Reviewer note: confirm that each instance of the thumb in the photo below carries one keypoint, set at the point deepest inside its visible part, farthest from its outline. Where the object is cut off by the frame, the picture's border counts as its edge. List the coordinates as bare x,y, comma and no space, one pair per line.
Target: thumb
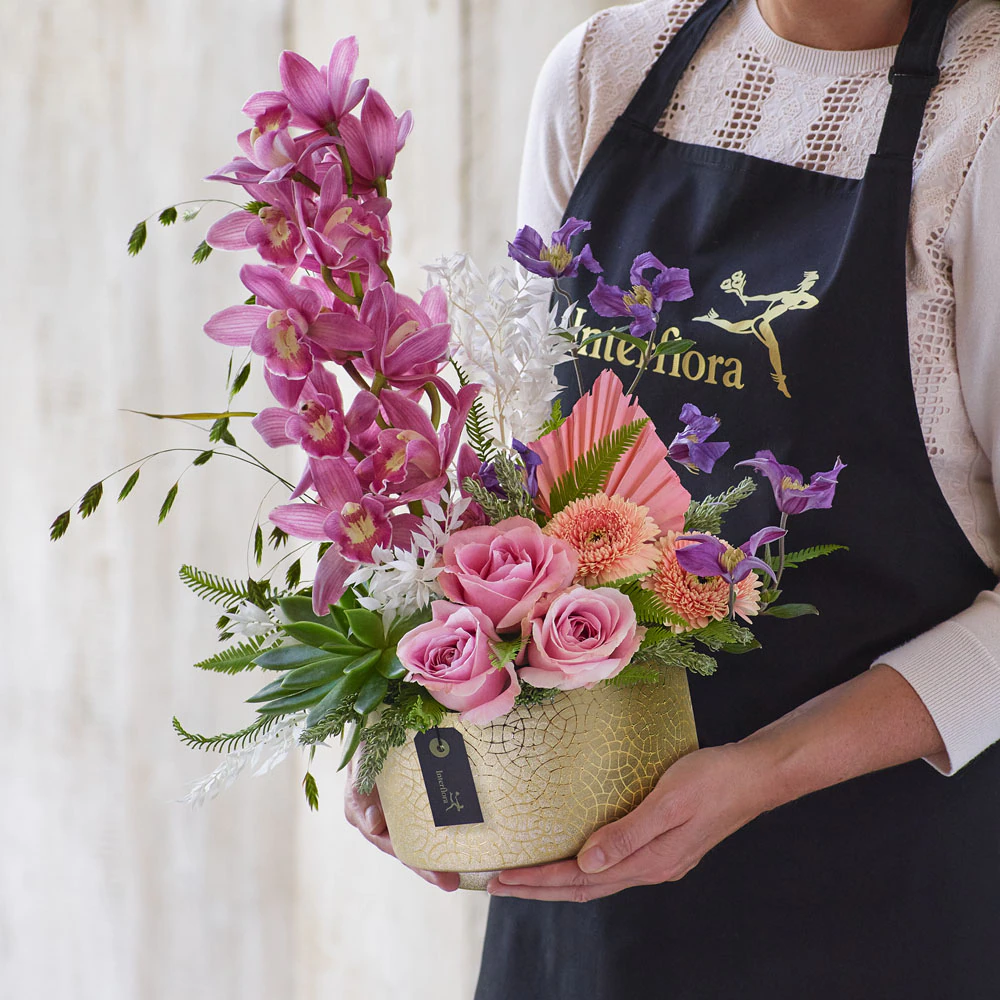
617,841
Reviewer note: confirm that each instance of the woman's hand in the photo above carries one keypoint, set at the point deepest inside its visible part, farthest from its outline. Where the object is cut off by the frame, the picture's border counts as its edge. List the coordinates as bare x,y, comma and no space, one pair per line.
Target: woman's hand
698,802
365,813
873,721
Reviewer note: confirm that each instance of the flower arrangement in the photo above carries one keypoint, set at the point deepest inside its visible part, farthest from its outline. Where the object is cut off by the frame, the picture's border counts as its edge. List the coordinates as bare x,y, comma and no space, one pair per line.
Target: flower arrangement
475,548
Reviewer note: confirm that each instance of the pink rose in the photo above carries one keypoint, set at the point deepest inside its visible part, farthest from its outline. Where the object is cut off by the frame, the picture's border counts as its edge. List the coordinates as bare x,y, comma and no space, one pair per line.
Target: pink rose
506,569
586,636
450,656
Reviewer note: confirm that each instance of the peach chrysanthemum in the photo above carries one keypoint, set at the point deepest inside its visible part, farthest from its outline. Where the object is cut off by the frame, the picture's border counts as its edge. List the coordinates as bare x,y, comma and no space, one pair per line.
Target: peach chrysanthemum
612,537
697,601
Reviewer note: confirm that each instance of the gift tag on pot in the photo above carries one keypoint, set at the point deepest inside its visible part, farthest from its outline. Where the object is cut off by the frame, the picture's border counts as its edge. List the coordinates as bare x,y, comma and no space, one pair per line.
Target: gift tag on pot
448,778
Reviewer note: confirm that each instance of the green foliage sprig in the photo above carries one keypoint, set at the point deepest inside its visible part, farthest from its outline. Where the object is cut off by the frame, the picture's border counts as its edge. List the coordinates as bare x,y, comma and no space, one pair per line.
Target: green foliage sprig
706,515
224,742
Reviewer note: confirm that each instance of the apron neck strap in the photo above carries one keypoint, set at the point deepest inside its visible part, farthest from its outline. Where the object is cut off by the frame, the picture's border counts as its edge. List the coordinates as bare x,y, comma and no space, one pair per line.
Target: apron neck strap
657,90
913,76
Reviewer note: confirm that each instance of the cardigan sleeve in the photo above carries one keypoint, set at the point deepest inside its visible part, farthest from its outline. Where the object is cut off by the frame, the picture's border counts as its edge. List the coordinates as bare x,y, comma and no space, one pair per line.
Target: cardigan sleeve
955,667
554,138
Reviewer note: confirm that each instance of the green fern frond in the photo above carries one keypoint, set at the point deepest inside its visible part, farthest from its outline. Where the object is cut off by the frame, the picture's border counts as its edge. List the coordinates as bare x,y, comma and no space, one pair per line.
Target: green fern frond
234,660
224,742
635,674
216,589
649,609
555,421
814,552
590,472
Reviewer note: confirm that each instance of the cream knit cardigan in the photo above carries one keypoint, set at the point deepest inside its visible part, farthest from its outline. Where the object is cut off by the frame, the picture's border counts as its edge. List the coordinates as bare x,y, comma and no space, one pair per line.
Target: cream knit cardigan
752,91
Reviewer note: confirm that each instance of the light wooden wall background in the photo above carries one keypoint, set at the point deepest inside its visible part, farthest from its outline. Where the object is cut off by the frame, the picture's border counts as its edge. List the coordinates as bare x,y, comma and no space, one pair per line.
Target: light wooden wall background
110,890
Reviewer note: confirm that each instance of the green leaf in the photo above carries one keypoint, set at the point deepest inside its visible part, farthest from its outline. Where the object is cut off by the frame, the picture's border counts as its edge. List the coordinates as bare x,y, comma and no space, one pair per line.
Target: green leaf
58,527
129,485
203,459
366,627
314,634
277,538
168,502
192,213
293,575
201,253
234,660
792,559
168,216
390,666
258,545
240,380
219,430
91,500
401,626
296,702
286,657
138,238
725,634
311,790
342,689
790,610
371,694
315,674
555,421
649,609
351,744
617,335
635,674
300,609
672,347
502,653
224,742
590,472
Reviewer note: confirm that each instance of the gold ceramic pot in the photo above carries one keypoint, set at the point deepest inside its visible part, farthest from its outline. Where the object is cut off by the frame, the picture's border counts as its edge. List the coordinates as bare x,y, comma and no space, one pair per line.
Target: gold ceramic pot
547,776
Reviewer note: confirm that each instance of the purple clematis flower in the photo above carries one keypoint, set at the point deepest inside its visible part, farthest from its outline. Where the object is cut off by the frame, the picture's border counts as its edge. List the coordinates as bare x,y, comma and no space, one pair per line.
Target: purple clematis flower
691,448
791,493
555,260
532,460
489,480
711,556
320,97
645,299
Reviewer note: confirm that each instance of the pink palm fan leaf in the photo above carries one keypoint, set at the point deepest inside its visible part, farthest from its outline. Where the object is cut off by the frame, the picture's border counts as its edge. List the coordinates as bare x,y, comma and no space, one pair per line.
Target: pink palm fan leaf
642,475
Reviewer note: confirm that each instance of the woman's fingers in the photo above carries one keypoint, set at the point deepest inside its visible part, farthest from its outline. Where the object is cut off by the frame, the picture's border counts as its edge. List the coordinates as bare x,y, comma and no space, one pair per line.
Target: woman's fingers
364,812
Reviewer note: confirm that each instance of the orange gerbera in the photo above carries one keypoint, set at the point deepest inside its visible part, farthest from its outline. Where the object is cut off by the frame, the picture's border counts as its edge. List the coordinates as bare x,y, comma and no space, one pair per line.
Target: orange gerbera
612,537
698,601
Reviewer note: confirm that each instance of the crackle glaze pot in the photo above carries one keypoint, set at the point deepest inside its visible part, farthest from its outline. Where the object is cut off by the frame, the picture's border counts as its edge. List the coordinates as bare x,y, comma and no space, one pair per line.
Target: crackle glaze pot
547,776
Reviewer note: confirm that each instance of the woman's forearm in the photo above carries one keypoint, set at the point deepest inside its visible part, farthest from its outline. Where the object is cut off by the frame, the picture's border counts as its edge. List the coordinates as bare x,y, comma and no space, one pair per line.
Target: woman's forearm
873,721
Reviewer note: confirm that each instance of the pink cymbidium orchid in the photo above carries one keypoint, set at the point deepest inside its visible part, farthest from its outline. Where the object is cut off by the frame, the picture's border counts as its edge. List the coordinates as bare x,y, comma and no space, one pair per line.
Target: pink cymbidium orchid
320,97
273,231
411,341
355,524
412,459
374,141
286,327
345,235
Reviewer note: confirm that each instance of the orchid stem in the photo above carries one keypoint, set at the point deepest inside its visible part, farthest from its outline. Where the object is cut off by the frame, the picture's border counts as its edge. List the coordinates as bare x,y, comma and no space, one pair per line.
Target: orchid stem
435,397
307,181
359,289
351,300
356,376
388,273
345,160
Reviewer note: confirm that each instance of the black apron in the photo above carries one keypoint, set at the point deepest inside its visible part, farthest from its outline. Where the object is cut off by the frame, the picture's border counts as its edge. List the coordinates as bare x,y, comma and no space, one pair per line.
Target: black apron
887,886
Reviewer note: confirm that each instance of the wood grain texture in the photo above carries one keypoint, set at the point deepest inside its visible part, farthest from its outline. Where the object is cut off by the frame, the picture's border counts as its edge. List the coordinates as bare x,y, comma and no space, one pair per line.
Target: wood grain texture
111,890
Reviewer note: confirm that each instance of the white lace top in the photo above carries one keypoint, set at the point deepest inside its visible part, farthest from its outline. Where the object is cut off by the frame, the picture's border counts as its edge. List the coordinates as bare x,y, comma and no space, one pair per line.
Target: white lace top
752,91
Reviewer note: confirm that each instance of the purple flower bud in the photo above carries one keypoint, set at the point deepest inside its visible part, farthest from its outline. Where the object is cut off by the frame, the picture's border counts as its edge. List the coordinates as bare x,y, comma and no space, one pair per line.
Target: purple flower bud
689,448
532,460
